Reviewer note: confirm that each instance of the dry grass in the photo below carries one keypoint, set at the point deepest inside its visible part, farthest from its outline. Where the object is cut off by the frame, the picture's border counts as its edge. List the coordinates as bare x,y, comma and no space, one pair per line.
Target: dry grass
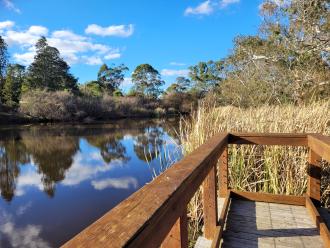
280,170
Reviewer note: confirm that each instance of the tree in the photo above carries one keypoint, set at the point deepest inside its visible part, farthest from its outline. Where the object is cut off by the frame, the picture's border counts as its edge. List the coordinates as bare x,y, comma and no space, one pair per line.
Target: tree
288,61
92,88
3,64
147,81
13,85
301,30
49,71
111,77
181,85
205,76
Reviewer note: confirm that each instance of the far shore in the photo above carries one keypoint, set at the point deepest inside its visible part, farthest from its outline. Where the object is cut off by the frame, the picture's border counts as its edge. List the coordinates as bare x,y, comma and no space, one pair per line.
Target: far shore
20,119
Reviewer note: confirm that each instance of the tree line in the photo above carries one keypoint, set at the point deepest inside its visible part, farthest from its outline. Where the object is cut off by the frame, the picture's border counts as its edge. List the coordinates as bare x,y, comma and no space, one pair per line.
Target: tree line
286,62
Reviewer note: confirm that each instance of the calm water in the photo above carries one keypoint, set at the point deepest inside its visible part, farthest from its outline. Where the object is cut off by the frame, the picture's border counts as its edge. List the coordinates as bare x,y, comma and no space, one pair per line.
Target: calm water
56,180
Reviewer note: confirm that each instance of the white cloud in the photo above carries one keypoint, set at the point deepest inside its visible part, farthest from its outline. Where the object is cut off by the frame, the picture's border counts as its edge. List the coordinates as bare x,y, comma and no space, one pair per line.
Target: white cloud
225,3
68,35
87,166
119,31
177,64
24,38
28,236
11,6
6,25
112,56
93,60
24,58
28,178
205,8
170,72
117,183
210,6
74,48
38,30
127,82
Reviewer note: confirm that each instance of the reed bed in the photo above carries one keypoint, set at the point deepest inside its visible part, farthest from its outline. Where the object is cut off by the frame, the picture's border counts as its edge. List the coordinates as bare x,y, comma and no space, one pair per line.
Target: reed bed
272,169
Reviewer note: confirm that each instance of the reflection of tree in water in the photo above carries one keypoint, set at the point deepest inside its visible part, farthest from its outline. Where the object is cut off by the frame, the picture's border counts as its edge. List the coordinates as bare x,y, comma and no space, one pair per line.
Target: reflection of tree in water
148,143
12,154
110,147
54,156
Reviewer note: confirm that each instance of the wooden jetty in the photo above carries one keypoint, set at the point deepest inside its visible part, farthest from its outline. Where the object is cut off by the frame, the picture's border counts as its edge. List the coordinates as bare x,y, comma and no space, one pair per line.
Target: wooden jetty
156,215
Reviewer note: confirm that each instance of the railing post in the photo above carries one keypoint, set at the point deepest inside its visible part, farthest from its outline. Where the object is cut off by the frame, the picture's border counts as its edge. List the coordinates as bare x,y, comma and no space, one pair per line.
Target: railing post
178,236
314,176
223,173
210,206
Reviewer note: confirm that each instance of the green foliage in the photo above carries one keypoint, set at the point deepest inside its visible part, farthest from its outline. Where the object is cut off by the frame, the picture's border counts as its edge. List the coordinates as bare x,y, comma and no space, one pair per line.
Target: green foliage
181,85
206,75
3,64
147,81
92,88
13,85
111,77
49,71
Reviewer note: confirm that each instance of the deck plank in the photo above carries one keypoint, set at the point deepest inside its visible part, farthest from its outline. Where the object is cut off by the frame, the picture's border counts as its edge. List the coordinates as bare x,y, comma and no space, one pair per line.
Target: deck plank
262,224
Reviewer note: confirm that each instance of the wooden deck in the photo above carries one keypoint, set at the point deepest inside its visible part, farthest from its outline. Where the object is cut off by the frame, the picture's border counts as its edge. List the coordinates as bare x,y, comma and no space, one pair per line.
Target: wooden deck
263,224
156,215
253,224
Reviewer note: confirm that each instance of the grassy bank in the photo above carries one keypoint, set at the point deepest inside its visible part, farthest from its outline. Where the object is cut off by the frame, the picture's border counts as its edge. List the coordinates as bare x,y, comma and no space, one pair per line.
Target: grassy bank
62,106
272,169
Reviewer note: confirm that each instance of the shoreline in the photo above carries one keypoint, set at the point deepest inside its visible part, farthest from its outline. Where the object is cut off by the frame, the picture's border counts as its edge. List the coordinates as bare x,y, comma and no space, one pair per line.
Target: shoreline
17,119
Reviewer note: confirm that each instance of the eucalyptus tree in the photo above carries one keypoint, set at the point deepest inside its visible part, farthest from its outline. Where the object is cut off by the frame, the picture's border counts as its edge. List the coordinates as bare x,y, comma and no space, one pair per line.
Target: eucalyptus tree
110,78
147,81
205,76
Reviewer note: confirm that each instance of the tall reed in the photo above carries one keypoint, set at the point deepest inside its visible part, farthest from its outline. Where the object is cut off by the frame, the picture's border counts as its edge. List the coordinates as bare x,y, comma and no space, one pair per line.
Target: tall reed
273,169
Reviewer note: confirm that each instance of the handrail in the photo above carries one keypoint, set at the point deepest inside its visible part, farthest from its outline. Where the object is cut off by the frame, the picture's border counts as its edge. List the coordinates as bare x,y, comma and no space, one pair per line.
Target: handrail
145,218
155,215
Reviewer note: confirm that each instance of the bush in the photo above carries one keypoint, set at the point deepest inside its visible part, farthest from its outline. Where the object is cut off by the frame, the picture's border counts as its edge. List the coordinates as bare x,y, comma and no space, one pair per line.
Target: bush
63,106
56,106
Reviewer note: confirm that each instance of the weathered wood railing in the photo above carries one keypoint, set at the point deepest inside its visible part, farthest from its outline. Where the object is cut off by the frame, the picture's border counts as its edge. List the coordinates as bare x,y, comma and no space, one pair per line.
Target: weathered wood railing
156,215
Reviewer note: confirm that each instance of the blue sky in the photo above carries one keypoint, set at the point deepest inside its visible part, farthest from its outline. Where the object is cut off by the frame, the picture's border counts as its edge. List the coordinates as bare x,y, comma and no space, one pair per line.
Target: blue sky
170,35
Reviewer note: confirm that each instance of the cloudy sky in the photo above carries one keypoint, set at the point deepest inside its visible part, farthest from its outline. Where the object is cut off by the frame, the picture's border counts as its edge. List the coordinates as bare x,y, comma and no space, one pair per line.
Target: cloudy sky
170,35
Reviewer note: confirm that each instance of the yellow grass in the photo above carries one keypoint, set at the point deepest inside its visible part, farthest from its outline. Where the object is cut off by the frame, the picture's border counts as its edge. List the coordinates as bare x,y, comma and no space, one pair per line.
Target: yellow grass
275,169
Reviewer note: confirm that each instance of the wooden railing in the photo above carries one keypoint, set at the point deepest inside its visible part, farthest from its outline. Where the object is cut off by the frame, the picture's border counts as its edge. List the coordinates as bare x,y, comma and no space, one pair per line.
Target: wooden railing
156,215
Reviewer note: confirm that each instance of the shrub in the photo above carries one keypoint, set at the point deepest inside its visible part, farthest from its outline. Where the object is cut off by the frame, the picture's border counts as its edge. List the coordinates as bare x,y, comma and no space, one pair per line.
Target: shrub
56,106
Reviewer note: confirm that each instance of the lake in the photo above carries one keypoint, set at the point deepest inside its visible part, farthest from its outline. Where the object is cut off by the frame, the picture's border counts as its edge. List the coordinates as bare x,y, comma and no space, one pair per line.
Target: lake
55,180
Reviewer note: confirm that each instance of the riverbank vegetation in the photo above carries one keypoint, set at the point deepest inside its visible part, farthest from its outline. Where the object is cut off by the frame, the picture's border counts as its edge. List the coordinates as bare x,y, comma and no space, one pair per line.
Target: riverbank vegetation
271,169
277,81
287,62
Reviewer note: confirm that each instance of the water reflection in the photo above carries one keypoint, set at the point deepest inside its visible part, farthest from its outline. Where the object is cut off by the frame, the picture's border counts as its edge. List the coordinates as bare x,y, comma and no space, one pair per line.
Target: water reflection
148,143
84,171
110,147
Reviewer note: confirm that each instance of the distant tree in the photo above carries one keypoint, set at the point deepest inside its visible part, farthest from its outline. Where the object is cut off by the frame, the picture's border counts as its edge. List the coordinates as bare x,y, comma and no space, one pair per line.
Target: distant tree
111,77
92,88
3,64
147,81
49,71
181,85
205,76
13,84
